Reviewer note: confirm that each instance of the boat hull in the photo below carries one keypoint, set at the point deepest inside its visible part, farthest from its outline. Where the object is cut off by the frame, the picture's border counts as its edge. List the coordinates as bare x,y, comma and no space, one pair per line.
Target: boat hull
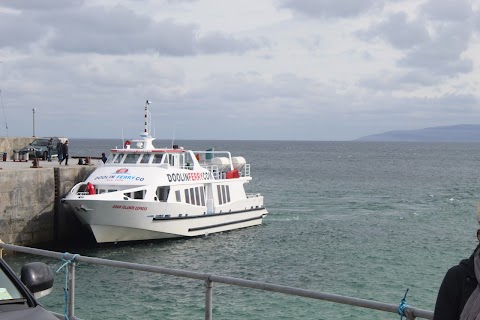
110,222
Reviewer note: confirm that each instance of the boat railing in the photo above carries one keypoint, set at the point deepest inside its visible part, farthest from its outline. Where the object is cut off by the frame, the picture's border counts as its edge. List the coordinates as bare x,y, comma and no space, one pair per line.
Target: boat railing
213,168
217,174
253,195
407,311
245,172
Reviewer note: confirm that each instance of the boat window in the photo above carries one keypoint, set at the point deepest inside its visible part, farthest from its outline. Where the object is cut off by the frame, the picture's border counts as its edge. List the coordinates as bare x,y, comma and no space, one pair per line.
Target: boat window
202,196
157,158
105,190
187,196
178,196
192,196
145,158
139,194
131,158
223,194
162,193
110,158
197,196
118,159
228,193
82,188
219,194
172,159
188,161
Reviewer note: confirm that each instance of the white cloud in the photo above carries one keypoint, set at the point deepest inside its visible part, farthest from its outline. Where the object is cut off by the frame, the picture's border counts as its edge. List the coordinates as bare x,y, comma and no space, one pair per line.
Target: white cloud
278,69
331,8
448,10
398,31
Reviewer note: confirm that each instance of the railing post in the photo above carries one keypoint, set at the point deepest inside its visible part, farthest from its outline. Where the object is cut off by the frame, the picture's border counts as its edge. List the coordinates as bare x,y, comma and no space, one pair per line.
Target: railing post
71,290
208,298
409,314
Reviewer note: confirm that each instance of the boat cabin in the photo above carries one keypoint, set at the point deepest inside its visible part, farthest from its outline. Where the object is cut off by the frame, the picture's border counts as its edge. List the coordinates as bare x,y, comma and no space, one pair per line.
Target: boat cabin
177,158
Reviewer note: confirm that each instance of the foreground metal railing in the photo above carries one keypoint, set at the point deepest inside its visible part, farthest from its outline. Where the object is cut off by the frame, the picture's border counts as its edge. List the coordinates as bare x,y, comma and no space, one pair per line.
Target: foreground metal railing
409,312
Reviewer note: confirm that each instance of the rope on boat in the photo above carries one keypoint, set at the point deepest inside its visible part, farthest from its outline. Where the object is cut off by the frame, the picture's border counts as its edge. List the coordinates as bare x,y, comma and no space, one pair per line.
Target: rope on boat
65,289
403,305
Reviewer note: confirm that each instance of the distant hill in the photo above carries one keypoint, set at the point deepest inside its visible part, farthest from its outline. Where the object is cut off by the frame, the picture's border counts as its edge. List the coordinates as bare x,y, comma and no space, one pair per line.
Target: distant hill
456,133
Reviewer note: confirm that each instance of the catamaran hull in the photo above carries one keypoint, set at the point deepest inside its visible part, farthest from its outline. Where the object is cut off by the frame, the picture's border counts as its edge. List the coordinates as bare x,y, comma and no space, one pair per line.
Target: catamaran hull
110,223
142,192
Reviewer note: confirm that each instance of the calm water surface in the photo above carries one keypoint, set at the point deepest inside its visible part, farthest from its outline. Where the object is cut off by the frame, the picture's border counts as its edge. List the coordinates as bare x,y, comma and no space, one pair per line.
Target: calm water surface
360,219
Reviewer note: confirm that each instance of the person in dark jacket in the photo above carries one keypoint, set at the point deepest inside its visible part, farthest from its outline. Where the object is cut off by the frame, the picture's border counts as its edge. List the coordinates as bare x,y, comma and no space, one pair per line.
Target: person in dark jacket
65,153
459,287
60,151
49,148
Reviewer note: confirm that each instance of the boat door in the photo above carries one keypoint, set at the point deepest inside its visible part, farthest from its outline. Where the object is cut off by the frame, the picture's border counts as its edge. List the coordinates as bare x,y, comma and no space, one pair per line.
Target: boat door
210,202
173,159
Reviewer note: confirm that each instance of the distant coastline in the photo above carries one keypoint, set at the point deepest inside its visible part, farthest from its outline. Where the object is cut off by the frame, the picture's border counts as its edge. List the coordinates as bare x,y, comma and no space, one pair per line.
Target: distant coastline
455,133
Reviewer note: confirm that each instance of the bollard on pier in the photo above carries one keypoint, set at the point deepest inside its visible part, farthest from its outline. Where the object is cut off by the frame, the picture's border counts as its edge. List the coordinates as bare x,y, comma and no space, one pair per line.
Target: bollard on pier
35,163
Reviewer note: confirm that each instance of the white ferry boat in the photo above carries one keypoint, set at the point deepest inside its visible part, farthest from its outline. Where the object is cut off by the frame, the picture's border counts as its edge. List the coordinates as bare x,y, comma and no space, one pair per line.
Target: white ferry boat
143,192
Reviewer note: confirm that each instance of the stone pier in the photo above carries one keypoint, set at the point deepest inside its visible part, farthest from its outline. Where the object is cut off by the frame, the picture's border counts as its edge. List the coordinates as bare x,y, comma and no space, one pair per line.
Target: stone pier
30,210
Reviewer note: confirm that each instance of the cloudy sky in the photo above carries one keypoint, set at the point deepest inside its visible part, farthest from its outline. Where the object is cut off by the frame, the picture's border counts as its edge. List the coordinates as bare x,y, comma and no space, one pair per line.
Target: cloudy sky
242,70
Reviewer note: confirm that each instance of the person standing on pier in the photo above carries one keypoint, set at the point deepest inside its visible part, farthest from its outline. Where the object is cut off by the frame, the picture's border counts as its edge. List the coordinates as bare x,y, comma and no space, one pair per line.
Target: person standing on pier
60,151
49,148
65,153
459,294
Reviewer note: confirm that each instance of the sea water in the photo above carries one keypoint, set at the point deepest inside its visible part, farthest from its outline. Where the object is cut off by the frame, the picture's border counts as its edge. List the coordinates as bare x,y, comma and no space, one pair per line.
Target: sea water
361,219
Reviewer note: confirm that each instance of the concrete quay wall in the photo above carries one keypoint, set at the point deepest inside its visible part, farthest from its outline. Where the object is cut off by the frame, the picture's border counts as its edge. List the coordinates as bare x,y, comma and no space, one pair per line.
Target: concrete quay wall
30,210
8,144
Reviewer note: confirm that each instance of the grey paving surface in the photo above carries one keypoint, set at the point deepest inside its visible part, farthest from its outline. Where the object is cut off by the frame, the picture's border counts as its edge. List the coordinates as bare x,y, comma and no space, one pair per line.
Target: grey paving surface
17,165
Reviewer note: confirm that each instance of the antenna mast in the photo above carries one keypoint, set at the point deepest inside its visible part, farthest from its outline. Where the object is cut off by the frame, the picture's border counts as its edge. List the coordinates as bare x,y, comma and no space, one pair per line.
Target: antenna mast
148,121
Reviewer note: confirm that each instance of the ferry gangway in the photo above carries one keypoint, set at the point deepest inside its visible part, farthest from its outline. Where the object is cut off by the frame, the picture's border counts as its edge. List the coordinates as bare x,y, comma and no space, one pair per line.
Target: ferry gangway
409,312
